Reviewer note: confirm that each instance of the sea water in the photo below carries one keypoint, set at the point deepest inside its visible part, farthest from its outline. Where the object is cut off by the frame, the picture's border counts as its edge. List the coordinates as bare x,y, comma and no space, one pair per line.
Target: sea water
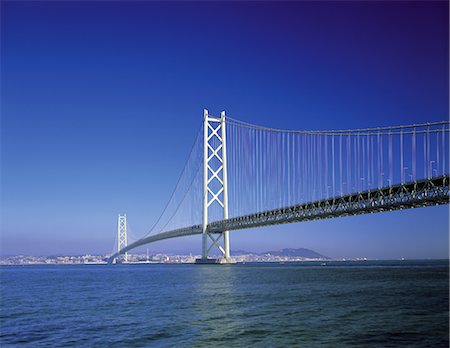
309,304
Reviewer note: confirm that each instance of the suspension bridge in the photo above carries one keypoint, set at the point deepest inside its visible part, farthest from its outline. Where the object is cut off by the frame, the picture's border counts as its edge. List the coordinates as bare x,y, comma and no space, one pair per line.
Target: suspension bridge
240,175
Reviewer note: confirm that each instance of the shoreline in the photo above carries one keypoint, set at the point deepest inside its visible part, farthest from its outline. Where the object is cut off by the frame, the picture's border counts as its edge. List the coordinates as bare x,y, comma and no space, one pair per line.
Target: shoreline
321,262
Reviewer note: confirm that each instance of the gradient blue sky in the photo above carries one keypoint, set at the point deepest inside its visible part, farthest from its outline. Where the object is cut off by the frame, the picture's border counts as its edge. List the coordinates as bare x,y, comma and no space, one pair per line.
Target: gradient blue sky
101,102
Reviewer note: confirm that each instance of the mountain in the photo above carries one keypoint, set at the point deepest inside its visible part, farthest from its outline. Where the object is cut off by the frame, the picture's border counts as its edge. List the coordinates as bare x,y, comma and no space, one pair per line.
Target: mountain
287,252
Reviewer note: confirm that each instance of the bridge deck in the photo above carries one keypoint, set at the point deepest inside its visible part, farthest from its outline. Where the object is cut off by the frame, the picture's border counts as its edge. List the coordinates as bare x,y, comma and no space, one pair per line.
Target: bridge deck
428,192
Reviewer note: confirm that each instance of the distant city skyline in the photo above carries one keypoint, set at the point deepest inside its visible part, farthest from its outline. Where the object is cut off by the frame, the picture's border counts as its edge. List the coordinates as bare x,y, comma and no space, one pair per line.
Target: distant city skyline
101,102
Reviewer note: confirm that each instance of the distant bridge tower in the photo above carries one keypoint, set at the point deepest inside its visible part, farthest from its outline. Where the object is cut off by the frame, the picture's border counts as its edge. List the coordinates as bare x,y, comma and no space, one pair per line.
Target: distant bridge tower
215,185
122,240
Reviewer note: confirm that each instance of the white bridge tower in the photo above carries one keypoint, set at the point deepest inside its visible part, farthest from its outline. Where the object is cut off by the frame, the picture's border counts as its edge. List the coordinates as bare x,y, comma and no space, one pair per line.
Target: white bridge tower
122,240
215,185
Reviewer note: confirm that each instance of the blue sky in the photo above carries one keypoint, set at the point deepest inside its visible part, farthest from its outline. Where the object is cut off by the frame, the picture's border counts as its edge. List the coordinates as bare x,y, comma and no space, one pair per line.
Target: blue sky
101,102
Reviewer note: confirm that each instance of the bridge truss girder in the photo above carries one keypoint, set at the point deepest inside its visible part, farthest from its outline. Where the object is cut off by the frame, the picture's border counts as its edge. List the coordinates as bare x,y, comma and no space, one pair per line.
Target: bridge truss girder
422,193
427,192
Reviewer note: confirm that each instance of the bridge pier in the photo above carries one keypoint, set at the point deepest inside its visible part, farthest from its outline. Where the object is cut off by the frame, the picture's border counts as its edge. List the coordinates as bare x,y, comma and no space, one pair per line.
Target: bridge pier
212,261
215,186
122,238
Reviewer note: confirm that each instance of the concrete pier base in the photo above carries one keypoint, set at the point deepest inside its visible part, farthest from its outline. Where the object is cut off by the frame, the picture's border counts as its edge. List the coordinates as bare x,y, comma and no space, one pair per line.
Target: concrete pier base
219,261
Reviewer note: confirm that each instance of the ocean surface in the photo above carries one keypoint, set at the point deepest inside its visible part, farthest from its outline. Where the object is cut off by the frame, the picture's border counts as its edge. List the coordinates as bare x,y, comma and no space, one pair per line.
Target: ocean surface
340,304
